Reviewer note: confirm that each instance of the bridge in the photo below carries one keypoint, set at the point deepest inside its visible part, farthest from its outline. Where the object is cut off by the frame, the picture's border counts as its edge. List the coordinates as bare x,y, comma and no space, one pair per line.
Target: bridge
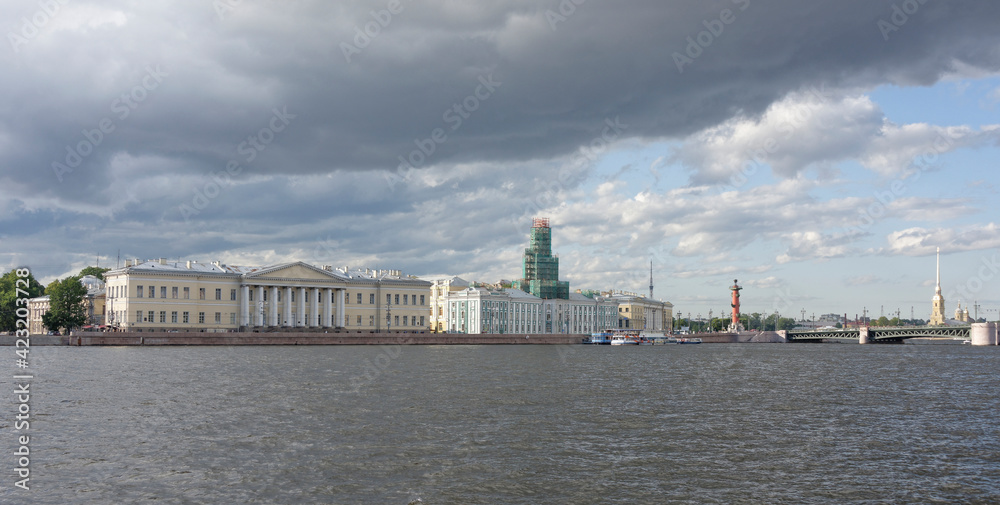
879,335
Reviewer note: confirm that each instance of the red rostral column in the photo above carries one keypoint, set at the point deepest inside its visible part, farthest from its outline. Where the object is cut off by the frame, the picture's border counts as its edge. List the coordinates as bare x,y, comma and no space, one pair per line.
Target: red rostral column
736,303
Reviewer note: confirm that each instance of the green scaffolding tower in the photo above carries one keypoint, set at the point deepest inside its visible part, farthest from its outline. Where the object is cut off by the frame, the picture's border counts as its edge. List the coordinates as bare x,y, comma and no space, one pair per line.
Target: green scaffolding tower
540,274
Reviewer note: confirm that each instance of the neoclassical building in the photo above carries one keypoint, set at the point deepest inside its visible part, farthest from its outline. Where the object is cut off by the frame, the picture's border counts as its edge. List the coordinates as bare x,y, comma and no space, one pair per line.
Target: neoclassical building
160,295
476,310
638,312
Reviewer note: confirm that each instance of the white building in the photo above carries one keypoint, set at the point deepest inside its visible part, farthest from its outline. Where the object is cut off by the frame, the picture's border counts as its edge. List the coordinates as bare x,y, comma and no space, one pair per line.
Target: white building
476,310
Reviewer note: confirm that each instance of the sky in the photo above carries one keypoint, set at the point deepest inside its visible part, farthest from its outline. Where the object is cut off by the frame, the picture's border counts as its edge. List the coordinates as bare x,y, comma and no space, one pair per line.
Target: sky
818,152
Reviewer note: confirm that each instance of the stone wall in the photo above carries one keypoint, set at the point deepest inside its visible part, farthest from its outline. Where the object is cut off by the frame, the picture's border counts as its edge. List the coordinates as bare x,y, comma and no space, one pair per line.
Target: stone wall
299,338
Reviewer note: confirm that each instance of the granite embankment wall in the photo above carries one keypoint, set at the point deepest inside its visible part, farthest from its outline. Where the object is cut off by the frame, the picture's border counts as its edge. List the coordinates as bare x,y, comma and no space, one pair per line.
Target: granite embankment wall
299,338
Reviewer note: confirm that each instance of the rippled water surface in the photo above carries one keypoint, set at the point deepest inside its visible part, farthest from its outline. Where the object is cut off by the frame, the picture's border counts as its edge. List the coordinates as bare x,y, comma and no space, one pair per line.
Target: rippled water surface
712,423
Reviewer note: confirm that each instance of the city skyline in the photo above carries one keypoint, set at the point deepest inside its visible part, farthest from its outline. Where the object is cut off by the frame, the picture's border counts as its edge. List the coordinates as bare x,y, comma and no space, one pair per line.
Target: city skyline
818,154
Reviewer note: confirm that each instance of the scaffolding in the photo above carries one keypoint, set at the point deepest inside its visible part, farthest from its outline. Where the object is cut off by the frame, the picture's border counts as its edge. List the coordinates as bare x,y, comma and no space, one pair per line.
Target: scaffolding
540,273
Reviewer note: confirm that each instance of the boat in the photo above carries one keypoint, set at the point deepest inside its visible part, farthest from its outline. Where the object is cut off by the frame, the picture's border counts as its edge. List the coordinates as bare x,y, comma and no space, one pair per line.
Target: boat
622,339
602,338
689,340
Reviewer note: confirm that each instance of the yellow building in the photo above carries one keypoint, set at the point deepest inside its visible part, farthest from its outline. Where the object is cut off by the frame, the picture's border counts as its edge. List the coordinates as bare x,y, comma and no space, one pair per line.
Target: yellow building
158,295
441,288
638,312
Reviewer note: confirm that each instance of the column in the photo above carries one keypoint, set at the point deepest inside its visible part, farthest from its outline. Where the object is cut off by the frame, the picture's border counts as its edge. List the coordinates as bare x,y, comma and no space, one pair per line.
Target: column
272,305
327,307
244,305
287,302
314,310
340,307
258,297
302,308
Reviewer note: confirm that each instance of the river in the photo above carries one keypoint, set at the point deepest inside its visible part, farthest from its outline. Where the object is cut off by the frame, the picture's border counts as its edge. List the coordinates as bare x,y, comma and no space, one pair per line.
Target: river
711,423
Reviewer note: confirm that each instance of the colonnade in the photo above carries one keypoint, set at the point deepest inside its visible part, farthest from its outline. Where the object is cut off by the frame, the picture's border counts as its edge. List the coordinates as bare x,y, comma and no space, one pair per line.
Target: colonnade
266,309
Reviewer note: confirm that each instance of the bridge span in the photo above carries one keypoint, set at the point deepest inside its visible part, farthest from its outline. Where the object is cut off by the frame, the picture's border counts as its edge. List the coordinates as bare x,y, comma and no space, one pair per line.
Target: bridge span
883,335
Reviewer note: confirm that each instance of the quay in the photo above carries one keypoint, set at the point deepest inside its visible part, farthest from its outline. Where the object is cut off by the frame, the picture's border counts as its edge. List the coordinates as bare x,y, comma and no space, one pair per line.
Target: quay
294,338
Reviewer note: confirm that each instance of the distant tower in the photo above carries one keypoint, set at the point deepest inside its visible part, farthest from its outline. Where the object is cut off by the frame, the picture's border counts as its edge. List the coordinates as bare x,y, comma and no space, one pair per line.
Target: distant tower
937,307
650,279
734,325
540,270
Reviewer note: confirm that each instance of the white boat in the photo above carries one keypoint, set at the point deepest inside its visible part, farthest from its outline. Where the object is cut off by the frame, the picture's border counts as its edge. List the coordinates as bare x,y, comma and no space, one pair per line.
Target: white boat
623,340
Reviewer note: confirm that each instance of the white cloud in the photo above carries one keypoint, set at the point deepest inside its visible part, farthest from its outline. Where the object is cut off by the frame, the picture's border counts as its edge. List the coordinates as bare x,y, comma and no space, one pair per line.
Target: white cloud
923,242
812,129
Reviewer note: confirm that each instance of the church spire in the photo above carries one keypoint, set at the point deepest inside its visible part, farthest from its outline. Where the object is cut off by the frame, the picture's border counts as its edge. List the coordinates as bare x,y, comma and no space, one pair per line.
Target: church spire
937,290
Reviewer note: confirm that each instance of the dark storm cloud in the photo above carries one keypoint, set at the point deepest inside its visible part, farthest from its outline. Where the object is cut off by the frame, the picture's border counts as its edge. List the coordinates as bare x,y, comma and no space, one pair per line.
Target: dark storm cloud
222,75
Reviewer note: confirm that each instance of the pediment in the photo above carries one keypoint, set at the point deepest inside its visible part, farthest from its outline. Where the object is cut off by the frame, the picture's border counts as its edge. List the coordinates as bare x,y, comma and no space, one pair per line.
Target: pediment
296,271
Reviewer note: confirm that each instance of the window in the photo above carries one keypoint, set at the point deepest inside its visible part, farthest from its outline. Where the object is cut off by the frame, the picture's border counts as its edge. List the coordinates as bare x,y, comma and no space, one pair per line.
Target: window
359,320
138,316
187,294
422,300
371,299
201,294
218,317
388,299
359,302
279,296
347,298
396,318
152,292
293,296
405,297
232,294
397,299
186,319
371,319
152,315
201,318
421,320
249,292
163,291
163,316
138,291
404,320
232,318
218,293
173,316
173,294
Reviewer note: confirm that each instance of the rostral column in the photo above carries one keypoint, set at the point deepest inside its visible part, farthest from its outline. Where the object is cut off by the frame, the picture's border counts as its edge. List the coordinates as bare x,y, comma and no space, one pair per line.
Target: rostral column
735,288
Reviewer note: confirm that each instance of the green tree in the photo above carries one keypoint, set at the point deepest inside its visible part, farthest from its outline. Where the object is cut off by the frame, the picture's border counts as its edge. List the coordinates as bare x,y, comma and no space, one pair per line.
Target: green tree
786,323
95,271
882,321
838,326
9,296
66,309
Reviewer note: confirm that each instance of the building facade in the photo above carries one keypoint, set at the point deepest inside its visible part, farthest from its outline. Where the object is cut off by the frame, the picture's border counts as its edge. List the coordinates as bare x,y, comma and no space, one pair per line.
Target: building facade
636,312
158,295
441,288
94,302
477,310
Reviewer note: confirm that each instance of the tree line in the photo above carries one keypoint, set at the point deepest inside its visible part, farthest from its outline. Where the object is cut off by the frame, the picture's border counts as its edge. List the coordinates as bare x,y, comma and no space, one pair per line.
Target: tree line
67,310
